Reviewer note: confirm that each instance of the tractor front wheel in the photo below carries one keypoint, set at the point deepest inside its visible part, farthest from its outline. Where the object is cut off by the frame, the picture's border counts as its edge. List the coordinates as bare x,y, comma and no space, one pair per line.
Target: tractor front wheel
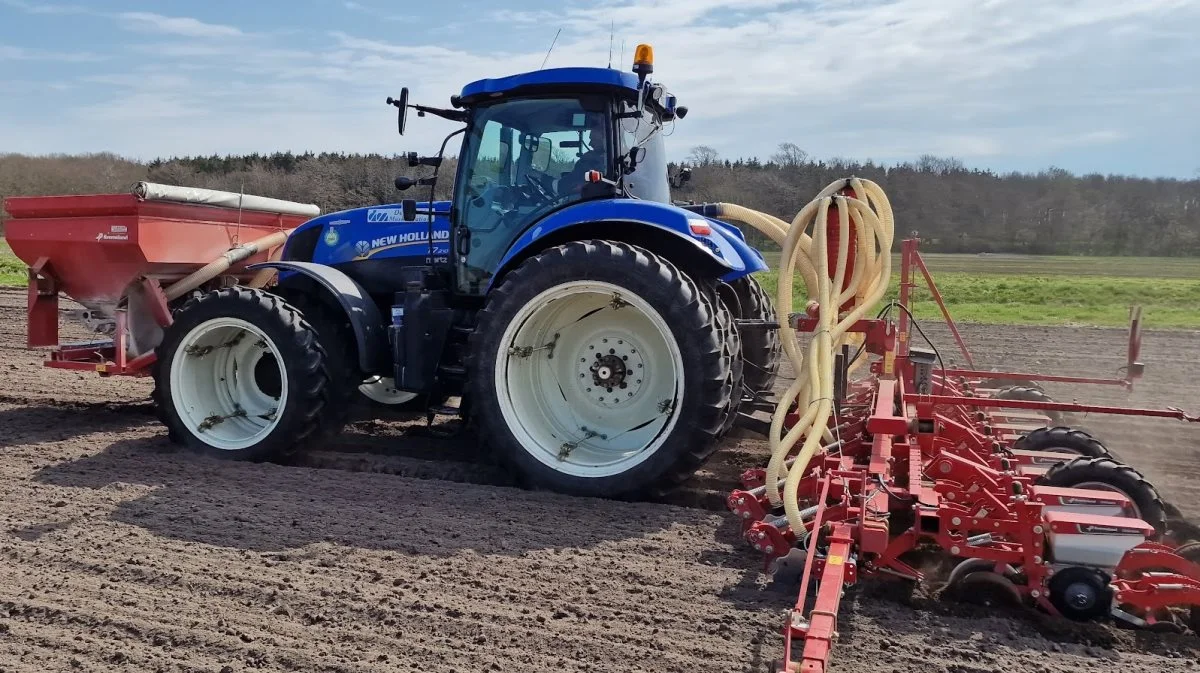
599,368
241,375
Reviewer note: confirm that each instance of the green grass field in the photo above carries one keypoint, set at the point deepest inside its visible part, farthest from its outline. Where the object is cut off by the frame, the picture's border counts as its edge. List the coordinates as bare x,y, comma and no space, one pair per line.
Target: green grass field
1011,289
1052,290
12,270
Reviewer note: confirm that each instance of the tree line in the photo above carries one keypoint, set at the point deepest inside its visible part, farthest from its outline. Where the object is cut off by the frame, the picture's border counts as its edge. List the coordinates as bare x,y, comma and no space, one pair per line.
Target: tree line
952,208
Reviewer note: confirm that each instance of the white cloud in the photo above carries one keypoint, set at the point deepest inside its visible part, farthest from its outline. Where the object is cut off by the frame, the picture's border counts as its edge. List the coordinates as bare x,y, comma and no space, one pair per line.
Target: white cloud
11,53
171,25
1004,82
45,7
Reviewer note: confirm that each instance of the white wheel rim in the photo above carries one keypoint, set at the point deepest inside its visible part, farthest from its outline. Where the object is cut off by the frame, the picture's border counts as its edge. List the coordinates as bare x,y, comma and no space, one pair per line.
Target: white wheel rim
218,378
556,400
382,389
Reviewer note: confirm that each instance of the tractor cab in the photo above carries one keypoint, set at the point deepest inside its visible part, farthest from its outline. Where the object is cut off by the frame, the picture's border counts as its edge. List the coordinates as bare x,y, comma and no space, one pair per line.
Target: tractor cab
539,142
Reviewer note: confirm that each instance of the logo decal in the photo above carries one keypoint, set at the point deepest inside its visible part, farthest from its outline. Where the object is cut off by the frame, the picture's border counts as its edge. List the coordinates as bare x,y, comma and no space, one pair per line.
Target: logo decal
119,232
385,215
331,237
362,247
1093,529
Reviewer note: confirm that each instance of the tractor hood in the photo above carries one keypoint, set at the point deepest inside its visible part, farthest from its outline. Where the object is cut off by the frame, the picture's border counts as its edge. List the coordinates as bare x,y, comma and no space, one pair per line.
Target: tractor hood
371,232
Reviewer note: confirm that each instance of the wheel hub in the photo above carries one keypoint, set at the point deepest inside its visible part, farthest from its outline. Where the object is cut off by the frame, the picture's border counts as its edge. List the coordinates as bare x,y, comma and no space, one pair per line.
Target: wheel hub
1080,595
610,370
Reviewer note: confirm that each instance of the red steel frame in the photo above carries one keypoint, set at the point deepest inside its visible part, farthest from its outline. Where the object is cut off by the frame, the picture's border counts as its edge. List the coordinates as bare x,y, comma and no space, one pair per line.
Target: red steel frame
969,475
911,257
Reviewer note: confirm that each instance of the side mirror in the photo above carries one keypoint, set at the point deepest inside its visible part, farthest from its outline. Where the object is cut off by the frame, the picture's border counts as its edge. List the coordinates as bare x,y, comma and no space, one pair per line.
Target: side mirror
404,182
409,208
681,177
401,104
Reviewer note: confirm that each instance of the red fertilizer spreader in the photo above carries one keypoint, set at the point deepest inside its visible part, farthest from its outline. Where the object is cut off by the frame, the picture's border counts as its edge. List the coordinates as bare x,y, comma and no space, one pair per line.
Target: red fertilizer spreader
124,256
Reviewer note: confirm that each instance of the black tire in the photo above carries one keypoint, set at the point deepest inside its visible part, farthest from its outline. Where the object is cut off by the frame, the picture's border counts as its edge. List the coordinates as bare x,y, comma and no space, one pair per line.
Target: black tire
732,348
1009,383
303,364
760,347
1118,476
1062,439
1191,552
1080,594
693,319
1031,395
336,337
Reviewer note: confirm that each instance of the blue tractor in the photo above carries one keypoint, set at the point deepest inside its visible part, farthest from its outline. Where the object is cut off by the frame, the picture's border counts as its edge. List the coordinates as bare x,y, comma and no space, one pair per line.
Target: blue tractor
600,339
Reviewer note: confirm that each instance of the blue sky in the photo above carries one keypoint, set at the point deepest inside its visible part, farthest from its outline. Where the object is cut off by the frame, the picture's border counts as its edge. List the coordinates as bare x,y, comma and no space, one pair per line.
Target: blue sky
1110,86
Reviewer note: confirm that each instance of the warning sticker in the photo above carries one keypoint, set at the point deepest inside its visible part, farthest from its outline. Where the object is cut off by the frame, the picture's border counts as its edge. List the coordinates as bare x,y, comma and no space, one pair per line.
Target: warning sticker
835,560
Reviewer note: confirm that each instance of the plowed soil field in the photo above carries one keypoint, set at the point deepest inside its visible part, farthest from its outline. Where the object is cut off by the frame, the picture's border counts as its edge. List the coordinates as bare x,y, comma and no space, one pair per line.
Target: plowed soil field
393,551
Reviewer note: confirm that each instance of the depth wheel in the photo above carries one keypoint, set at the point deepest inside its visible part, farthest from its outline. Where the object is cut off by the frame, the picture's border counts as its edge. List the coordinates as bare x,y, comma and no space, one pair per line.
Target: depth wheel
1191,552
1080,594
1106,474
975,582
599,368
1031,395
241,375
1063,440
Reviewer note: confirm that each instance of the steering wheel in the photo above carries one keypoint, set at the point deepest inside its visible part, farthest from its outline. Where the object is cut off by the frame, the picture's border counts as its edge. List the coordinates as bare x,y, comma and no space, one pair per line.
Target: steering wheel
544,189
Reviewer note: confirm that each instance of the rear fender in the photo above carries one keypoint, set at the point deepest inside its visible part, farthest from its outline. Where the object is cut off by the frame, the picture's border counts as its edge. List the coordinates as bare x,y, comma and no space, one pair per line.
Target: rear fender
360,310
718,242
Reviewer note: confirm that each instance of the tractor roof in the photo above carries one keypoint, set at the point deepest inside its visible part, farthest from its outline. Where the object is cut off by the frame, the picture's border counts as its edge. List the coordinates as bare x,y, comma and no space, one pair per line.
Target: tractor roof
553,79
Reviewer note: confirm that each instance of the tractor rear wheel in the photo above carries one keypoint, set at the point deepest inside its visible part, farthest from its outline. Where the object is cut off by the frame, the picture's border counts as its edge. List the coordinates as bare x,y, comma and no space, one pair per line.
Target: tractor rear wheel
760,346
240,374
599,368
1106,474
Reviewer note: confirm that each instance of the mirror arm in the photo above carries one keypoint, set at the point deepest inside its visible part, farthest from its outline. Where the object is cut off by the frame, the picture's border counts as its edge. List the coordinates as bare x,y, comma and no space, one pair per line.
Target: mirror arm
452,115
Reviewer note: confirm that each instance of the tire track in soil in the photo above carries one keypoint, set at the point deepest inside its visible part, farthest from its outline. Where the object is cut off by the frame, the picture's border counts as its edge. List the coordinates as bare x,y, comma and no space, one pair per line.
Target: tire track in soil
120,553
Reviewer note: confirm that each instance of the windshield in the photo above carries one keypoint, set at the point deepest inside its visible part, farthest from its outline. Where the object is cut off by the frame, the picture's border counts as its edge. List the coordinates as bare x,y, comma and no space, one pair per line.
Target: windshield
521,159
649,178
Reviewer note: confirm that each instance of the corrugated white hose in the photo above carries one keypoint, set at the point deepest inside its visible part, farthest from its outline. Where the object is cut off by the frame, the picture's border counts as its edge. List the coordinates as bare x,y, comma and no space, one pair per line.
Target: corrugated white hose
812,390
826,337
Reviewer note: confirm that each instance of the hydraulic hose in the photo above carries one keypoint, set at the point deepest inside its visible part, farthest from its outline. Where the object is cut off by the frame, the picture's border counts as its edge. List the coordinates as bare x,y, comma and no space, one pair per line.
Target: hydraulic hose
221,264
826,290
